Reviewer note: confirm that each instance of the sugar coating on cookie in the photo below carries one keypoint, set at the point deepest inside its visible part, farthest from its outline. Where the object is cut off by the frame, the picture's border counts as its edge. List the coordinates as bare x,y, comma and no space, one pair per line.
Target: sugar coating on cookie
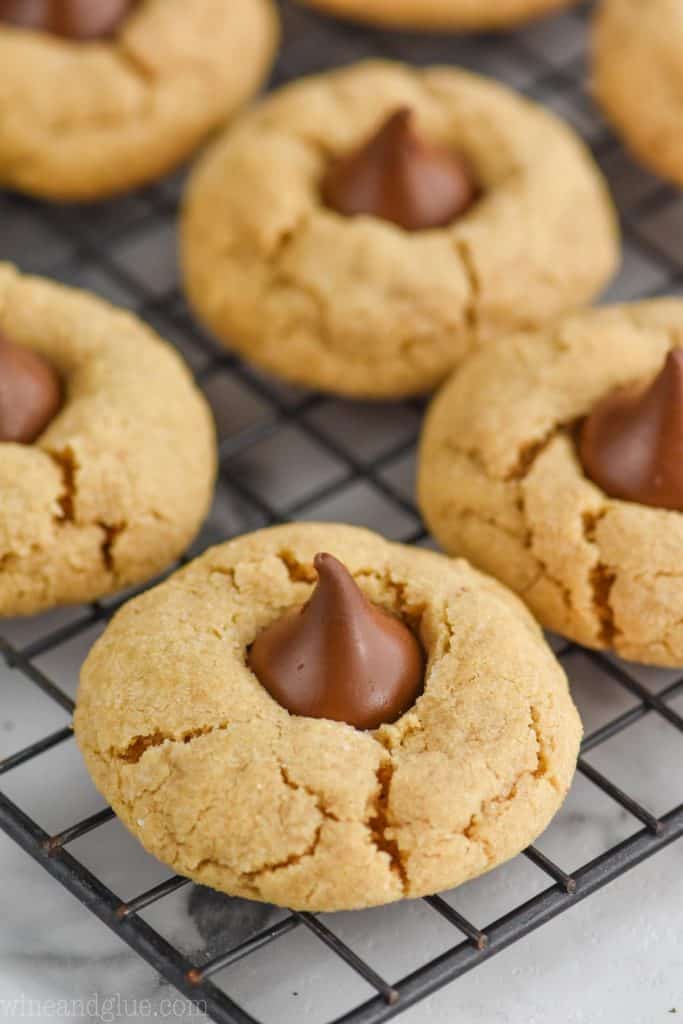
118,484
501,481
638,78
357,305
431,14
219,781
83,120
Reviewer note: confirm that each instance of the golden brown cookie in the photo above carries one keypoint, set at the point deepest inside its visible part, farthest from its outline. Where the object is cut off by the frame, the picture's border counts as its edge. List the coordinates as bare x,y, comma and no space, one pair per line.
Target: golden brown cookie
219,781
470,15
119,482
81,120
501,481
638,78
358,305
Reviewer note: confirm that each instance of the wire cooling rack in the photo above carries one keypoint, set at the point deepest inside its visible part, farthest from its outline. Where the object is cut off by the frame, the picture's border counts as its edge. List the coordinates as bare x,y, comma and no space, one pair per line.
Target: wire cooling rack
289,454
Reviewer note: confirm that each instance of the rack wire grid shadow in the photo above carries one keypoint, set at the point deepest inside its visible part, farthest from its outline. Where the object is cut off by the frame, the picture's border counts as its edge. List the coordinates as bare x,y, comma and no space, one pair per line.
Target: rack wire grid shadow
355,467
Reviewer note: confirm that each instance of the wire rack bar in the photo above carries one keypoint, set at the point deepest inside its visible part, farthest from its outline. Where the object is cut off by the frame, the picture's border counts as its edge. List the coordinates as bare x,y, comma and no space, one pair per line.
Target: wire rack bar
146,899
39,747
478,938
626,801
521,921
652,700
388,994
193,983
54,843
60,636
546,864
90,891
15,659
617,725
244,949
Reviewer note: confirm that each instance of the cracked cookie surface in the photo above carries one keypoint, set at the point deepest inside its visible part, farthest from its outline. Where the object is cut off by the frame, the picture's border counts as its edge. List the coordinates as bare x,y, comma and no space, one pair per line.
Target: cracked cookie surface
84,120
638,78
501,483
219,781
470,15
359,306
119,482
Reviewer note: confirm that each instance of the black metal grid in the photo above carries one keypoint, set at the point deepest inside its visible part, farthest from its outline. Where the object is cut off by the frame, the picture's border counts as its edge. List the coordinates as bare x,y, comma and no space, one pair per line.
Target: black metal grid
362,473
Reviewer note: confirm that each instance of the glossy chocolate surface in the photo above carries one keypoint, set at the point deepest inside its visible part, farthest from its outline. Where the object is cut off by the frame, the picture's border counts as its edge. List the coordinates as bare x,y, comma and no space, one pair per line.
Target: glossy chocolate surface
631,444
340,656
30,393
399,177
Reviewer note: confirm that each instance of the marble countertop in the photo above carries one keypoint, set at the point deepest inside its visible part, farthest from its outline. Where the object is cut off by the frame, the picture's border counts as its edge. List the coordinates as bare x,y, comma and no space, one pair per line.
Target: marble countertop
617,958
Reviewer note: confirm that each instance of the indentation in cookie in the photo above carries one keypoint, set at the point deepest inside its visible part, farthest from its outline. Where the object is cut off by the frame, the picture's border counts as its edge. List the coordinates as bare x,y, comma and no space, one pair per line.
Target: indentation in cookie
398,176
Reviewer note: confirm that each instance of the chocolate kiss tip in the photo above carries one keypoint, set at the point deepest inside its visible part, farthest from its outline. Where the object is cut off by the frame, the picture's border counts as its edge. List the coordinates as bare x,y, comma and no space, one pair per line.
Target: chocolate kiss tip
322,559
397,176
30,393
631,444
339,657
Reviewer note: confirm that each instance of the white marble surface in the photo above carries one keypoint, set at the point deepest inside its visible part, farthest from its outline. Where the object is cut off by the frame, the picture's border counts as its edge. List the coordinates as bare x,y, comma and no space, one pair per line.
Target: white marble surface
616,958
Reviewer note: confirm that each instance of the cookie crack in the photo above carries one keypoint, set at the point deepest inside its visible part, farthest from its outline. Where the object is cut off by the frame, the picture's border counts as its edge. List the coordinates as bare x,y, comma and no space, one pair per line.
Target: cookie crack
601,577
480,517
139,745
229,572
466,255
112,531
252,877
540,772
601,580
133,63
411,613
281,277
378,824
394,735
317,797
66,462
531,451
296,570
470,832
528,453
543,570
68,466
293,859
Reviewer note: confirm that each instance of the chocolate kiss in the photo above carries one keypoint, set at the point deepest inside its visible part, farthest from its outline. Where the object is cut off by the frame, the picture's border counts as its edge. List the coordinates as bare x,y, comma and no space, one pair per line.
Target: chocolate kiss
30,393
74,19
339,656
399,177
631,444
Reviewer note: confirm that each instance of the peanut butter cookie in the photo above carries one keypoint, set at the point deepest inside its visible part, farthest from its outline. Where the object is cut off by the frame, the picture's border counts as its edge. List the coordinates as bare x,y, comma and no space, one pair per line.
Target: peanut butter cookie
553,461
107,452
638,78
202,761
361,231
98,98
